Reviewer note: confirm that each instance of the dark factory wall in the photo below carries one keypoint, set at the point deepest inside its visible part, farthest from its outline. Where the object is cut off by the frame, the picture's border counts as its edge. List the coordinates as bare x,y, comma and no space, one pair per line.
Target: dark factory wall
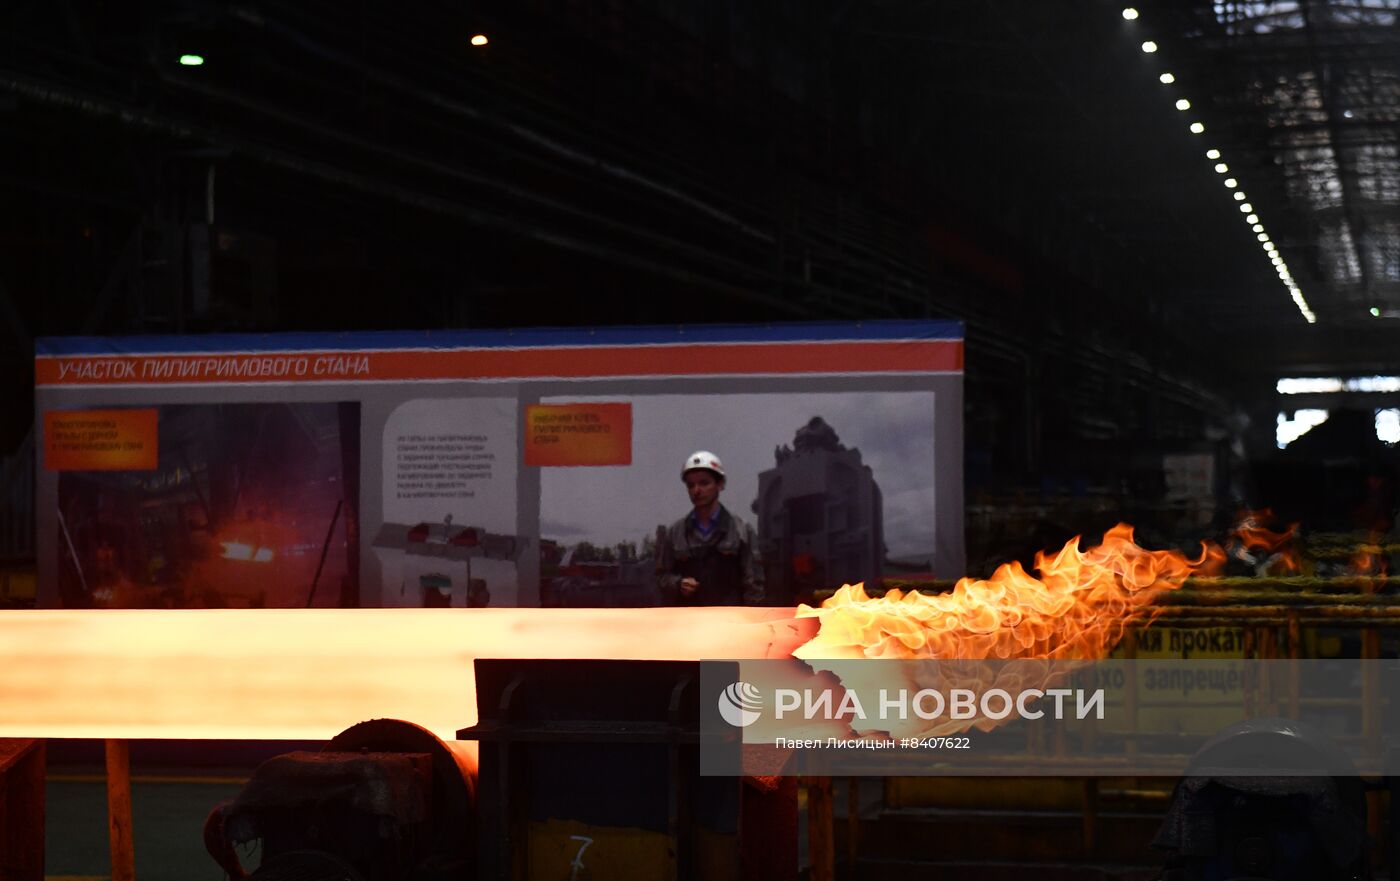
602,164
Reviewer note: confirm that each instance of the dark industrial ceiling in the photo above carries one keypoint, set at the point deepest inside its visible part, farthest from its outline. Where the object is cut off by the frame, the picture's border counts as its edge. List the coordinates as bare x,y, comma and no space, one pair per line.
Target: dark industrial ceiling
1307,95
1014,163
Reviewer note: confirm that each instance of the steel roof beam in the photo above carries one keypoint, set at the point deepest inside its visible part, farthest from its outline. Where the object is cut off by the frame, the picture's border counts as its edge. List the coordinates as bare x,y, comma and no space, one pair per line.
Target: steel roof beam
1349,197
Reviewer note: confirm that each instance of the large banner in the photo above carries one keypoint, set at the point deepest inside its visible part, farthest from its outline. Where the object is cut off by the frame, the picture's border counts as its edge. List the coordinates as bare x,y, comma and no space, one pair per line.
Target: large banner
489,468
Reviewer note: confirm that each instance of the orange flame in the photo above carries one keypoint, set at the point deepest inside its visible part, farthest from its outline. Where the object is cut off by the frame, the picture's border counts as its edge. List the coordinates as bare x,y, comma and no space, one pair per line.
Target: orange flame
1212,562
1368,559
1076,610
1254,536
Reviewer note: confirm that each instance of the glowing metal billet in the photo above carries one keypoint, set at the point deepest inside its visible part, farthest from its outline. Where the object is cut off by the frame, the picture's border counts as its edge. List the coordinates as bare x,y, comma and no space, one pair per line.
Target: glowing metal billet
306,674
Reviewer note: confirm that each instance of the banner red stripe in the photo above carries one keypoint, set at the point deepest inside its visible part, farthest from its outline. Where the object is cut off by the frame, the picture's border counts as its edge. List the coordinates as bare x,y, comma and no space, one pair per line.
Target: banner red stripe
932,356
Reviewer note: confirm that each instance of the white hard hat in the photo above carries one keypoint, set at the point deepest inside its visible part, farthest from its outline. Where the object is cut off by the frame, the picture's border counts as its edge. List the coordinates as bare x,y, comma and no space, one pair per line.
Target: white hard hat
703,459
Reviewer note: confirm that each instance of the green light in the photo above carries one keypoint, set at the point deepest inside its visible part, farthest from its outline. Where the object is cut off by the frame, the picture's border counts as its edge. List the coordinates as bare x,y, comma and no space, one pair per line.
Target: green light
1375,312
191,60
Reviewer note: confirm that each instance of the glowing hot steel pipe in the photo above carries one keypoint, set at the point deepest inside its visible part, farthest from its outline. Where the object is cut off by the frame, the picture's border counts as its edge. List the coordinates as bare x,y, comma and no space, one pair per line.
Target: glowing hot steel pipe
306,674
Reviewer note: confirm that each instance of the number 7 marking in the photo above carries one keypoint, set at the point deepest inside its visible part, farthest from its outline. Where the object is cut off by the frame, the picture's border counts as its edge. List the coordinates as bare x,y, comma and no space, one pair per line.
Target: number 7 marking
578,857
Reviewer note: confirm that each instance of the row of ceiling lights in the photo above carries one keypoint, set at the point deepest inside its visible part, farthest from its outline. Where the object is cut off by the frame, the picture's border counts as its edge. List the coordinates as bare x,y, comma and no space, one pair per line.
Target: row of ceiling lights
1251,217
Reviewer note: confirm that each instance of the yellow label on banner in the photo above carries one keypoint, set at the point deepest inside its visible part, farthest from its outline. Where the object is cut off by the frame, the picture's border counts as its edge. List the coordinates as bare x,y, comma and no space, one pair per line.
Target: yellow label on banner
101,440
578,434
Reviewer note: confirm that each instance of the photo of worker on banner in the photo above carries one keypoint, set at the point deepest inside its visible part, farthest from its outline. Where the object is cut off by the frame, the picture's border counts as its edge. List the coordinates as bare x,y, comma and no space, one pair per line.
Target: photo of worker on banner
781,505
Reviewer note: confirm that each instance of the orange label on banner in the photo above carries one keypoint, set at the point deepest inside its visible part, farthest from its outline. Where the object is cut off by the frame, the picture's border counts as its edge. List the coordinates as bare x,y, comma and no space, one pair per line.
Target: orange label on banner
101,440
578,434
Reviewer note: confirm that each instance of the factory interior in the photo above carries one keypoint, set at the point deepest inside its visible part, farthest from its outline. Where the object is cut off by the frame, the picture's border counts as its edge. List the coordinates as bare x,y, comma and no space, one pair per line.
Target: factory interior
350,354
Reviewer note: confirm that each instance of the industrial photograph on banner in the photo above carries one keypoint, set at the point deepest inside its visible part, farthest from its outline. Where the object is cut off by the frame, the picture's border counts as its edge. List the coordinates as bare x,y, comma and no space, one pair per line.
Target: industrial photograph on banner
207,506
839,487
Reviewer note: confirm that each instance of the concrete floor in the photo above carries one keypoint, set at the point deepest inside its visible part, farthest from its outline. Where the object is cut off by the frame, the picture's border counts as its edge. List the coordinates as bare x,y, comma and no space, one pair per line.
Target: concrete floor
168,812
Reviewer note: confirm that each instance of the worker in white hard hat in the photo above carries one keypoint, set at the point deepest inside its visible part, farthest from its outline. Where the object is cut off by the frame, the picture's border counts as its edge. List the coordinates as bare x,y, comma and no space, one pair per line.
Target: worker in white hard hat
710,556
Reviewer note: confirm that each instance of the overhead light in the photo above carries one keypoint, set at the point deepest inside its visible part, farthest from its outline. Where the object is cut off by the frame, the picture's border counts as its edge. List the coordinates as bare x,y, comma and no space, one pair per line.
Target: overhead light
1197,128
479,40
1375,312
1347,114
1130,14
191,60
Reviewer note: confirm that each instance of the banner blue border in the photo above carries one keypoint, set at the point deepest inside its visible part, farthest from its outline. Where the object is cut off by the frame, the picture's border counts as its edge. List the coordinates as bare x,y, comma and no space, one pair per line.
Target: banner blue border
356,341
